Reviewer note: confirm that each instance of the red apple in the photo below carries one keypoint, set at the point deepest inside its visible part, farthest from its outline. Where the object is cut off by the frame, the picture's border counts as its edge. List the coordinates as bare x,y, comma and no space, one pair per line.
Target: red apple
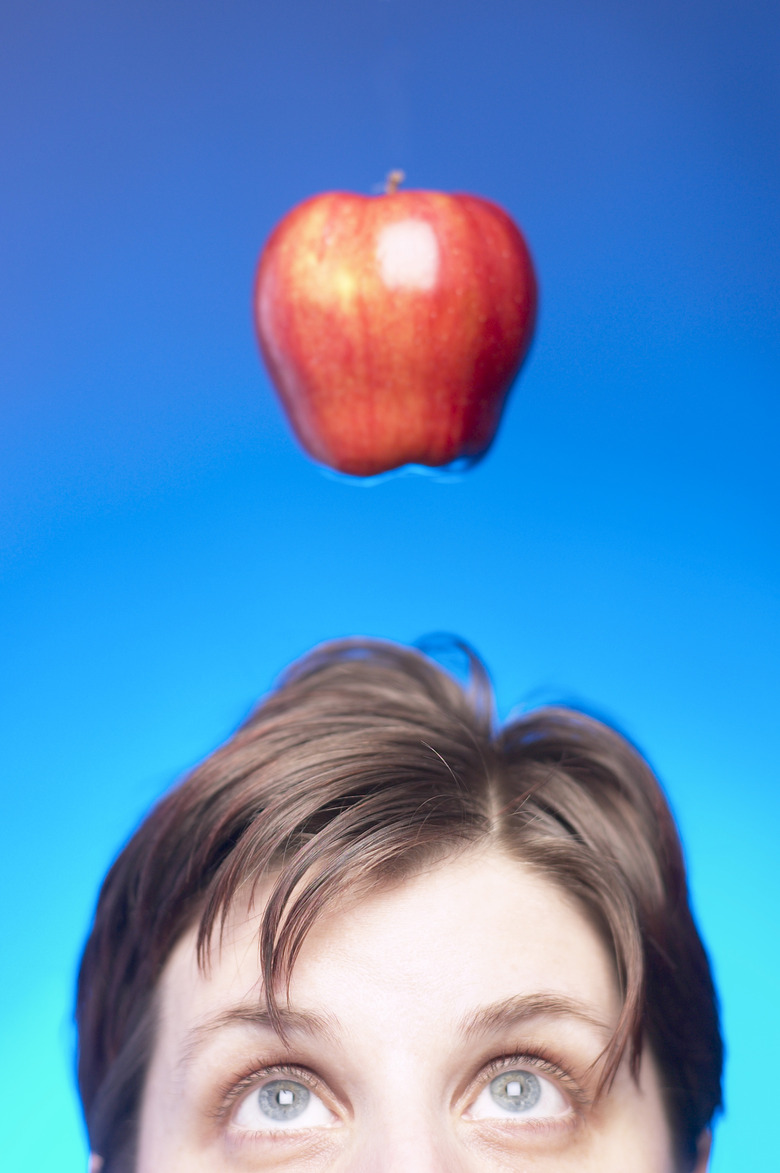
393,326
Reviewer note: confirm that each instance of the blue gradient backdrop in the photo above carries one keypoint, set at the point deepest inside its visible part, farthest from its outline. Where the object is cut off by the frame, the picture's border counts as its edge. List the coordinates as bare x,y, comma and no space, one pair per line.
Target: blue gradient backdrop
167,549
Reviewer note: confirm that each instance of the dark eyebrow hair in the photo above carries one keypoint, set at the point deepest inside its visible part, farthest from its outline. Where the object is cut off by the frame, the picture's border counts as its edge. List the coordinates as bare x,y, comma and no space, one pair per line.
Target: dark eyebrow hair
519,1009
257,1015
486,1020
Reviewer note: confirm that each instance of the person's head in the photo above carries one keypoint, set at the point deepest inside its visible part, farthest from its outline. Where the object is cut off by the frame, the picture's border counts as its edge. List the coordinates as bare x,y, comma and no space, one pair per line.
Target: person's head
373,932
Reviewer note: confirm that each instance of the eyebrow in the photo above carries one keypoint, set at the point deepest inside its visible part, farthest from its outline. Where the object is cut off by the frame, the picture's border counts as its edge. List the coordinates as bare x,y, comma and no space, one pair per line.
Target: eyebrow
491,1019
517,1010
257,1016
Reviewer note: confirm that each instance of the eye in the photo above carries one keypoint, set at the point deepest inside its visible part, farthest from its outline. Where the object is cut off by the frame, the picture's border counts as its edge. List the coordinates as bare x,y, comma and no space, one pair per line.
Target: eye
521,1095
281,1105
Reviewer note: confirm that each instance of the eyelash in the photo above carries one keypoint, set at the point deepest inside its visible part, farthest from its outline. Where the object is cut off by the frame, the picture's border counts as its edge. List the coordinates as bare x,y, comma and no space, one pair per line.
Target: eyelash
233,1091
230,1093
548,1065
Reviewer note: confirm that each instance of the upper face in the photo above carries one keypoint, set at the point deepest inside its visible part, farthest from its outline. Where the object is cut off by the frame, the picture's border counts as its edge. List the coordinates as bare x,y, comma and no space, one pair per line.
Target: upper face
449,1025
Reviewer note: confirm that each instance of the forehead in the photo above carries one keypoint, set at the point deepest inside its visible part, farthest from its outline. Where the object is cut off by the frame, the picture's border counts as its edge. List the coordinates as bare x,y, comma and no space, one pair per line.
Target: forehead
471,931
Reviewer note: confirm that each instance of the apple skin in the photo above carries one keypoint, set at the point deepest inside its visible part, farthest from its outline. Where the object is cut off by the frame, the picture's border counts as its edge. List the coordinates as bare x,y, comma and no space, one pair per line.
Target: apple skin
393,326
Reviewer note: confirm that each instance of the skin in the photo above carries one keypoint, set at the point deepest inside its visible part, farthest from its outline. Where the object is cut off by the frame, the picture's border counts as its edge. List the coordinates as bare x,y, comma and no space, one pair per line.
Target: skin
394,1045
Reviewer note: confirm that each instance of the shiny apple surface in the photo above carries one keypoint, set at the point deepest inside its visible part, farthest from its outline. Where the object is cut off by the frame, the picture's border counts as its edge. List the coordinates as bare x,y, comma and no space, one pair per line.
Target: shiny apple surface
393,326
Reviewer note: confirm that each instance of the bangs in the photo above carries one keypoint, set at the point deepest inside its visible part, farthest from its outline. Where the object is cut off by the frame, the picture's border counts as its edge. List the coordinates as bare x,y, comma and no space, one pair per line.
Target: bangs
366,764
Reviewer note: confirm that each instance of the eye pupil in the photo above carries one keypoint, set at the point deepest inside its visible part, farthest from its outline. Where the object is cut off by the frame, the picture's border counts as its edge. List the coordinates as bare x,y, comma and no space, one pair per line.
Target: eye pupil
282,1099
516,1091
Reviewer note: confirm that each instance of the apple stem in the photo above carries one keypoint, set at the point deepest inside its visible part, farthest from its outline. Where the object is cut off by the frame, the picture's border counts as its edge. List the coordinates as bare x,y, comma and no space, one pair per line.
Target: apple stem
394,181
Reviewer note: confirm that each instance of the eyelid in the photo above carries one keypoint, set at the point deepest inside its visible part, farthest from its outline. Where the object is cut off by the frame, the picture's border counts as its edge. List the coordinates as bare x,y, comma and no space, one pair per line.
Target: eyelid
553,1069
234,1092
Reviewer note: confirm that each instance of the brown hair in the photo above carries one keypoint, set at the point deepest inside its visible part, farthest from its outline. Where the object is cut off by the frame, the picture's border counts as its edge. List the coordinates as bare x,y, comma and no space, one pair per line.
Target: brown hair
366,762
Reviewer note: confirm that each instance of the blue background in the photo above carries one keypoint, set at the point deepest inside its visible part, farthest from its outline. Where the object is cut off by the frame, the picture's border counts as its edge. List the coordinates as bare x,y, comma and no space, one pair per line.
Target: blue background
166,548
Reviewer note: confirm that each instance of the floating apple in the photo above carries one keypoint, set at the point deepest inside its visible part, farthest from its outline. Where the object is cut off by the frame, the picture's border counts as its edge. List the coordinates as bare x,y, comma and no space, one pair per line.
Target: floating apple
394,325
